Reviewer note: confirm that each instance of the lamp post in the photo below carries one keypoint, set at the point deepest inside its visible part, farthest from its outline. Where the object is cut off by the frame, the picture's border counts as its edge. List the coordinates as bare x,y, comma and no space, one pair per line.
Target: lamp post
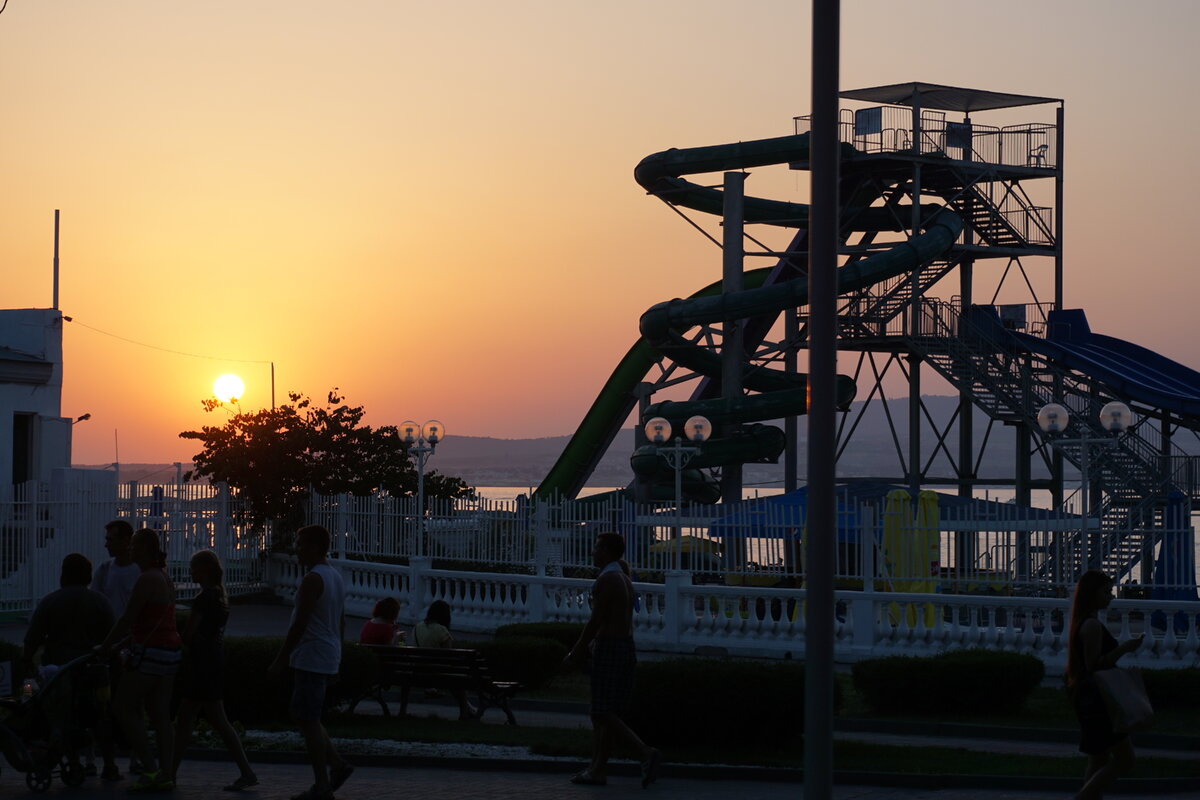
420,442
678,456
1115,417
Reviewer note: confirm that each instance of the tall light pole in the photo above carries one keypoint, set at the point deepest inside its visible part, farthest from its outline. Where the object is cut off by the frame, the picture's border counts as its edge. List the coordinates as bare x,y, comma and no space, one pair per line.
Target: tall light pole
820,543
1114,418
420,442
678,455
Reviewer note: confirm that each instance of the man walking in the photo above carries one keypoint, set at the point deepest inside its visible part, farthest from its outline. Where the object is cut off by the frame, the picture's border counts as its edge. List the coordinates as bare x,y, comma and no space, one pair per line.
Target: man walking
313,649
610,634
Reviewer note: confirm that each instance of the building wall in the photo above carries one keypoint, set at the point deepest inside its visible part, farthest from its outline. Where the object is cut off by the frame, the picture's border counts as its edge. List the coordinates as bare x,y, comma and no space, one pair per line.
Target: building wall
35,334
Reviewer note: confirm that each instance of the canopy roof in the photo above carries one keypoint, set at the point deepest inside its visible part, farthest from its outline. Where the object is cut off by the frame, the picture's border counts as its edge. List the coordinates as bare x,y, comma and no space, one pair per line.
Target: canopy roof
751,517
945,98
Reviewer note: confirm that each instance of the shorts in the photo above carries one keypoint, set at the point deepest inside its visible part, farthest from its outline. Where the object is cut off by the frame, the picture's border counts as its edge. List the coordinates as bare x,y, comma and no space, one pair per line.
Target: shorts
308,694
160,661
614,662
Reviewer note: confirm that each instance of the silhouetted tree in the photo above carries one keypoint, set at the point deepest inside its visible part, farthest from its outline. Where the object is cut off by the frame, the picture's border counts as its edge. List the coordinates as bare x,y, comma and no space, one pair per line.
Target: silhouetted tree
275,456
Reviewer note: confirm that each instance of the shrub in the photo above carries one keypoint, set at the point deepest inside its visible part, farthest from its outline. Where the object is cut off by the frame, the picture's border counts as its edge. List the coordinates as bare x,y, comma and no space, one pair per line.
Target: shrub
566,633
1173,688
359,672
253,697
12,653
531,661
972,681
719,702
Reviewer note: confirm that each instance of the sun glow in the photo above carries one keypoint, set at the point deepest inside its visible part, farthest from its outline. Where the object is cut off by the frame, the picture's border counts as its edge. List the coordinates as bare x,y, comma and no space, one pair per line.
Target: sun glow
228,387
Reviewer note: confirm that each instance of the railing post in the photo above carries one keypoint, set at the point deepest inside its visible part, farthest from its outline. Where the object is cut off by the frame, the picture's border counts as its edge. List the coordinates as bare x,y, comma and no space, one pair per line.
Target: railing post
541,534
535,601
864,609
673,581
418,576
343,525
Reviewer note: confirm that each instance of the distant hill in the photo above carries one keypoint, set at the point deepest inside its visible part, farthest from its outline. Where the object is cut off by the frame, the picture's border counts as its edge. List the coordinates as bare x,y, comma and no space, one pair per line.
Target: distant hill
487,461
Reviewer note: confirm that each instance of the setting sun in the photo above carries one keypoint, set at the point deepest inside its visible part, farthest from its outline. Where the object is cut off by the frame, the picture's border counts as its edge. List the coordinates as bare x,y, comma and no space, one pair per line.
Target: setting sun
228,387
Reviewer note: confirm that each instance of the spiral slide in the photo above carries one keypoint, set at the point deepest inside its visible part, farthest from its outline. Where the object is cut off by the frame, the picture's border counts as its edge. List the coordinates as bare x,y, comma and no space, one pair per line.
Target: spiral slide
764,295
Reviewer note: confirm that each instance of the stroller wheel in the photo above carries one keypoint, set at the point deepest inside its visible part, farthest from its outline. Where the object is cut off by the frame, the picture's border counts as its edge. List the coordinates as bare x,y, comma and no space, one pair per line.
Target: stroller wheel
72,774
37,781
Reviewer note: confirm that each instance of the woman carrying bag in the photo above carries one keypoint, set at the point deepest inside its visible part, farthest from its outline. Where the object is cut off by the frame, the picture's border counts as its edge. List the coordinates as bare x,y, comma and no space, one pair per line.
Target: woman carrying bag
1091,649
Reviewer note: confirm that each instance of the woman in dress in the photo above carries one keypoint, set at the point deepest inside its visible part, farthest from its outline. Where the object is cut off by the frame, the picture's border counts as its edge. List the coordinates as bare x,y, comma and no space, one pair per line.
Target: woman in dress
203,687
154,657
1092,648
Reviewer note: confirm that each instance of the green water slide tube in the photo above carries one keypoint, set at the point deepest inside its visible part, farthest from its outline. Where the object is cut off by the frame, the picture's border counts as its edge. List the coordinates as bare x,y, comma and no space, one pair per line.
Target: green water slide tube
782,394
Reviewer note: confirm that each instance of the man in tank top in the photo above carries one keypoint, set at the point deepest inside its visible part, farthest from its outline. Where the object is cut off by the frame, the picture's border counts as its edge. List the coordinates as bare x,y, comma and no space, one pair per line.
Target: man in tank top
313,649
609,636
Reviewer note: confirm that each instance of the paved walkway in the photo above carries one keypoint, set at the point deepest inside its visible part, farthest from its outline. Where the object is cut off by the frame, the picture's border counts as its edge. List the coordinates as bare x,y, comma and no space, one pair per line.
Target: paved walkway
279,781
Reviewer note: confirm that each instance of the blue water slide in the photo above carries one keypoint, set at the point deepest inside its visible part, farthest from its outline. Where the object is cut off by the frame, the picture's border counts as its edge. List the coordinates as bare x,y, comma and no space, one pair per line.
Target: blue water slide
1134,371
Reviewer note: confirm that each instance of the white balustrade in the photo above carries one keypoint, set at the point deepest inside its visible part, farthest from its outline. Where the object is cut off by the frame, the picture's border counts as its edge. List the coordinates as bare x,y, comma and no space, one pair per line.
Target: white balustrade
679,617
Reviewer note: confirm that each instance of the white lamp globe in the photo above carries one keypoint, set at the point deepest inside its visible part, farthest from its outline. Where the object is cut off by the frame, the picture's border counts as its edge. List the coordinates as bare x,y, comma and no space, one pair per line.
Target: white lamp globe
658,430
434,431
1115,416
1053,418
697,428
409,431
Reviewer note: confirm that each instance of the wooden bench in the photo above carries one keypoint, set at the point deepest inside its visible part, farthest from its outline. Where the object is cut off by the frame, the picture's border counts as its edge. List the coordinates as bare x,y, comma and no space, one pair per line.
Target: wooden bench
444,668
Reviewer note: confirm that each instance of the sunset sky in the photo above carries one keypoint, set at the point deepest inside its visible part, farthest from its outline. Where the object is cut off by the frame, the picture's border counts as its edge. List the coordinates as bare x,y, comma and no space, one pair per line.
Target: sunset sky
431,205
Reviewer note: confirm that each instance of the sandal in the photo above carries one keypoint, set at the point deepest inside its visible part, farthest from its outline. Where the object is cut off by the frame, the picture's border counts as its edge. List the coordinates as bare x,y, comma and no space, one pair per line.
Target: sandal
650,768
242,782
151,782
586,778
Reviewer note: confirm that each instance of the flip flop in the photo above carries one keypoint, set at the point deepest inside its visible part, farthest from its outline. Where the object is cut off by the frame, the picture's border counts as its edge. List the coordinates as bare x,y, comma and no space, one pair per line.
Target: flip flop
650,768
586,778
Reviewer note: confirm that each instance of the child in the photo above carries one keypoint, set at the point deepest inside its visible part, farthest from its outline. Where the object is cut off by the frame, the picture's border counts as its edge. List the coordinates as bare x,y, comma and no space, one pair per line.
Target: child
381,628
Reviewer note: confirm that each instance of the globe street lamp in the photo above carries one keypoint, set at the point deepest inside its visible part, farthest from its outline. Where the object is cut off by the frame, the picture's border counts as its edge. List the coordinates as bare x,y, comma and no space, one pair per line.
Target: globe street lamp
1115,417
419,442
678,456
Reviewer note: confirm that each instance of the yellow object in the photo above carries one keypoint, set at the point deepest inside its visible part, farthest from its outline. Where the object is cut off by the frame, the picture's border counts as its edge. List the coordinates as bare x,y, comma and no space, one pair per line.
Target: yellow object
912,551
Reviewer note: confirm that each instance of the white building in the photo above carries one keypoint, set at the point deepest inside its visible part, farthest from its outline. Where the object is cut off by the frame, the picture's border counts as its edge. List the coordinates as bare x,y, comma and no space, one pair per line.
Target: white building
35,439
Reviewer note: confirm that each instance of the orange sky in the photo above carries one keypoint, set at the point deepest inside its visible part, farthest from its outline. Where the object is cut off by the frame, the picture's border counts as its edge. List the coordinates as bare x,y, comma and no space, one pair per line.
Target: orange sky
431,206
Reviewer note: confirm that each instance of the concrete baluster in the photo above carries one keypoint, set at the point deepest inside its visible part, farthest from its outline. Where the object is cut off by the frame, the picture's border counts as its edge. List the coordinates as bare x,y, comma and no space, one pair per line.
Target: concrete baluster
673,600
419,594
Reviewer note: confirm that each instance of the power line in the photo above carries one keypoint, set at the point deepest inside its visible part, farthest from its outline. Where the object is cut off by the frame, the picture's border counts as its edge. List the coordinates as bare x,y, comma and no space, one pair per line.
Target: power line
156,347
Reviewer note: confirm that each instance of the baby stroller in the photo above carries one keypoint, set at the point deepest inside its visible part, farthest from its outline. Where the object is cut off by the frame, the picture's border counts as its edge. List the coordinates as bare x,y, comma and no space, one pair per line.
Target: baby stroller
42,735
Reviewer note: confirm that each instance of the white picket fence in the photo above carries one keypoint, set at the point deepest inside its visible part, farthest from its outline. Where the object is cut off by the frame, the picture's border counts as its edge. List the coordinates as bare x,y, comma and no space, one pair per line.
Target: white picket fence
42,523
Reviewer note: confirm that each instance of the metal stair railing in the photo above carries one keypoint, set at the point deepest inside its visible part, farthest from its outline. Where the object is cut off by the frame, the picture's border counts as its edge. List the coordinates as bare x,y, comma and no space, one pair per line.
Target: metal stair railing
1008,387
868,313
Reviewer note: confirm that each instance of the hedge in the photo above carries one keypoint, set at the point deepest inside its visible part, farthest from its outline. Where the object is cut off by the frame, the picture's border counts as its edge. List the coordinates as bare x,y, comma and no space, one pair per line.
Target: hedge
1173,688
566,633
721,702
974,681
12,653
531,661
252,697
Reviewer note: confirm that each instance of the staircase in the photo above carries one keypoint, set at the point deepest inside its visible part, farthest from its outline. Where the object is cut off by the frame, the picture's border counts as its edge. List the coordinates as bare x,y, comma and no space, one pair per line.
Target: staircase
1011,385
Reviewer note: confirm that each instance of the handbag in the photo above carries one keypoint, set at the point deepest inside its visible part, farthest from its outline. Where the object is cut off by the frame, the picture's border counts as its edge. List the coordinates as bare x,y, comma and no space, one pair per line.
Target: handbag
1125,697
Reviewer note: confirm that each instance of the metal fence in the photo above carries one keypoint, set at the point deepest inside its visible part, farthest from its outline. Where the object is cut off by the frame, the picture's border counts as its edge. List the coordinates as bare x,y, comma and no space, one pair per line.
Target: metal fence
968,548
46,521
888,129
